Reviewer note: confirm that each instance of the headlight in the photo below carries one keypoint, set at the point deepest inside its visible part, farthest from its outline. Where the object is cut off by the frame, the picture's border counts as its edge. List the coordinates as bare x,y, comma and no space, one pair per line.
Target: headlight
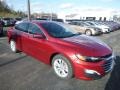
97,29
88,59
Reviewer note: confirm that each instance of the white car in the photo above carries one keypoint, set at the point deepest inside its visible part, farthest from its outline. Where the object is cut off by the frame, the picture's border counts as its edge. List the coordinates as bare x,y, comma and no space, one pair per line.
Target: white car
21,21
104,28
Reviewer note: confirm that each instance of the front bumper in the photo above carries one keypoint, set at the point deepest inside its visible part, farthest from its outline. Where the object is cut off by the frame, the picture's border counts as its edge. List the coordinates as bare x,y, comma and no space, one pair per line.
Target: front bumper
92,71
98,32
92,74
106,30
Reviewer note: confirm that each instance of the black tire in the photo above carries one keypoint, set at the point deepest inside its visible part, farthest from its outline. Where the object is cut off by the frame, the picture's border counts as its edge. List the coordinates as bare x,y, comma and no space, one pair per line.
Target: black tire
69,73
14,48
1,34
88,32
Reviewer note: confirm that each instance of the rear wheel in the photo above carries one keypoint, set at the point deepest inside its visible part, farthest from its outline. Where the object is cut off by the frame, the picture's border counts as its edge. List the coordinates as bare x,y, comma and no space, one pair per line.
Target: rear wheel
88,32
62,67
13,46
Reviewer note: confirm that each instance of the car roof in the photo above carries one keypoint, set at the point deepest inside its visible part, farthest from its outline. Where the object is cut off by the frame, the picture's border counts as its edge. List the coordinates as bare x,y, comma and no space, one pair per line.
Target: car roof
42,21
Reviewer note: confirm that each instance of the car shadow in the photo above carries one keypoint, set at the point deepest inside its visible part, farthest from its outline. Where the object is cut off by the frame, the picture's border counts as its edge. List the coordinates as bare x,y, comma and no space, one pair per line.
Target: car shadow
12,61
4,33
114,80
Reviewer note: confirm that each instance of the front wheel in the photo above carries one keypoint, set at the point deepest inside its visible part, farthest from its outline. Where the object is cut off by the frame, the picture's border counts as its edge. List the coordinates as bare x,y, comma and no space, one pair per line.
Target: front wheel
62,67
88,32
13,46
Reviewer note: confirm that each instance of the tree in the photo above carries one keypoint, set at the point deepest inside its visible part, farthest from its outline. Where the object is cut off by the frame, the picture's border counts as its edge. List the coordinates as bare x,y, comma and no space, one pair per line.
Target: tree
6,11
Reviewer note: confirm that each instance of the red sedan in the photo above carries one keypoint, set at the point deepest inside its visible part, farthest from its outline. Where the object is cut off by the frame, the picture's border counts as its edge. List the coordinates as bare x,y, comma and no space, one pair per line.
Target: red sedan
68,52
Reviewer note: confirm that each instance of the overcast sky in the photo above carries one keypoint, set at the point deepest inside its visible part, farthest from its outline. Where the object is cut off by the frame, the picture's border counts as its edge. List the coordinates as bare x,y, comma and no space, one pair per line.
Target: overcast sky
66,6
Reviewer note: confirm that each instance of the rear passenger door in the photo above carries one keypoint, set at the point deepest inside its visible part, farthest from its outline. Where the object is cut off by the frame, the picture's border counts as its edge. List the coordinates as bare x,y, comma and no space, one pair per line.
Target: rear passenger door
22,36
82,27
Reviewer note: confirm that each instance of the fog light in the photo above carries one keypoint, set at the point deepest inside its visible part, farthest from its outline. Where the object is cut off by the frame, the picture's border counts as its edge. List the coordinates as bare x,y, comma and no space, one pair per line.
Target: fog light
91,72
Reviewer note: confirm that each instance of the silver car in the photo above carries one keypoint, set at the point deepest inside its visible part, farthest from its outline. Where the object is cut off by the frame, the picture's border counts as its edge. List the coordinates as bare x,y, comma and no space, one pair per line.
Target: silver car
104,28
85,28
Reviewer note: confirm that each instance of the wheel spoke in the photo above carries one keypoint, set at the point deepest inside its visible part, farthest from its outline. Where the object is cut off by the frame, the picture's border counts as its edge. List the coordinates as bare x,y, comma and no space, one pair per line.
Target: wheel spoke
13,46
61,67
57,64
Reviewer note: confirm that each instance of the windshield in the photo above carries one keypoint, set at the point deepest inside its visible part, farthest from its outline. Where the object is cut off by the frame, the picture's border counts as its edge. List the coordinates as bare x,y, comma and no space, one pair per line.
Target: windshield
96,23
86,24
6,18
59,30
93,23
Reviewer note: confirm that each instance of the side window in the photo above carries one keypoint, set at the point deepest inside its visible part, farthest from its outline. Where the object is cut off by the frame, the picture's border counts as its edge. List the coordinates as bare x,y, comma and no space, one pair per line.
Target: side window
34,29
81,24
22,27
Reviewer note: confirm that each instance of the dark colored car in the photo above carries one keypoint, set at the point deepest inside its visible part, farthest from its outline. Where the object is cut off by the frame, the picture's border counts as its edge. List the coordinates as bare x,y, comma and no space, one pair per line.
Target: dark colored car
8,21
1,28
58,20
70,53
18,19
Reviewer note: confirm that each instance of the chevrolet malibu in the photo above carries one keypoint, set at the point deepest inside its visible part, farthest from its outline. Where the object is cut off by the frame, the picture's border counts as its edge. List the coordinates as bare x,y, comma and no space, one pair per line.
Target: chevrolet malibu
71,54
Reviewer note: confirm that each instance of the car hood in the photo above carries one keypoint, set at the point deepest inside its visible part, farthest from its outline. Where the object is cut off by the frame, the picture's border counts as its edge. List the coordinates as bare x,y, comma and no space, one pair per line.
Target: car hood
89,45
93,27
102,26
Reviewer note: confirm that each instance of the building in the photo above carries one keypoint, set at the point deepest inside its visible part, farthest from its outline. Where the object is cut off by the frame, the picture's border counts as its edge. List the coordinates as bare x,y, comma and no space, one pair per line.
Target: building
93,14
45,15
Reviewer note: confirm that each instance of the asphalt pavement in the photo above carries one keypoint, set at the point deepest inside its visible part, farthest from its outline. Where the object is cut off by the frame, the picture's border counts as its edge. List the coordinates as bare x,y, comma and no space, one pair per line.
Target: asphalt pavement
22,72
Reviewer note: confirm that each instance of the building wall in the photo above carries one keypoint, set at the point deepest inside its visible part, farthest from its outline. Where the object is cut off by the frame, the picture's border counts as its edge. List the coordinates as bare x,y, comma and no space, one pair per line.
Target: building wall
102,18
45,15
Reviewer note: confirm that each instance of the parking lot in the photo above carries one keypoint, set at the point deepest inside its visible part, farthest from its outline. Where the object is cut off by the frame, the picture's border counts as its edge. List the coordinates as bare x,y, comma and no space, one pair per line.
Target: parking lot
22,72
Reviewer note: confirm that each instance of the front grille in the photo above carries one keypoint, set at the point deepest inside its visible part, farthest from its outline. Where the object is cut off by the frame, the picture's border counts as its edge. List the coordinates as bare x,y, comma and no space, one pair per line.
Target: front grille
108,62
107,56
107,65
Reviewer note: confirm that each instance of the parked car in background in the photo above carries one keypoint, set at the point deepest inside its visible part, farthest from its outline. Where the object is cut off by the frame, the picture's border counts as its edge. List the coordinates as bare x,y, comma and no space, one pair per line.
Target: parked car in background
1,28
68,52
41,19
58,20
7,21
113,25
104,28
18,19
22,20
85,28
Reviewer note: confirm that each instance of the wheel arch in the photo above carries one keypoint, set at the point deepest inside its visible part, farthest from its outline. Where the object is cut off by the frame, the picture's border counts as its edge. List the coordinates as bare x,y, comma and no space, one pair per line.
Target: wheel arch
58,53
51,57
11,38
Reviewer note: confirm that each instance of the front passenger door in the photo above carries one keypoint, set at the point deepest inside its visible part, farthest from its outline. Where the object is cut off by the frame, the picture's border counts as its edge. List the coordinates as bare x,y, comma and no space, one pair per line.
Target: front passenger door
37,46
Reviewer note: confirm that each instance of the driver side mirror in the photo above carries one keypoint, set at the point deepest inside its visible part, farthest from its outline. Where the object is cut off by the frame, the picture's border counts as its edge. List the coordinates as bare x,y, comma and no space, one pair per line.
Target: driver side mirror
39,36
